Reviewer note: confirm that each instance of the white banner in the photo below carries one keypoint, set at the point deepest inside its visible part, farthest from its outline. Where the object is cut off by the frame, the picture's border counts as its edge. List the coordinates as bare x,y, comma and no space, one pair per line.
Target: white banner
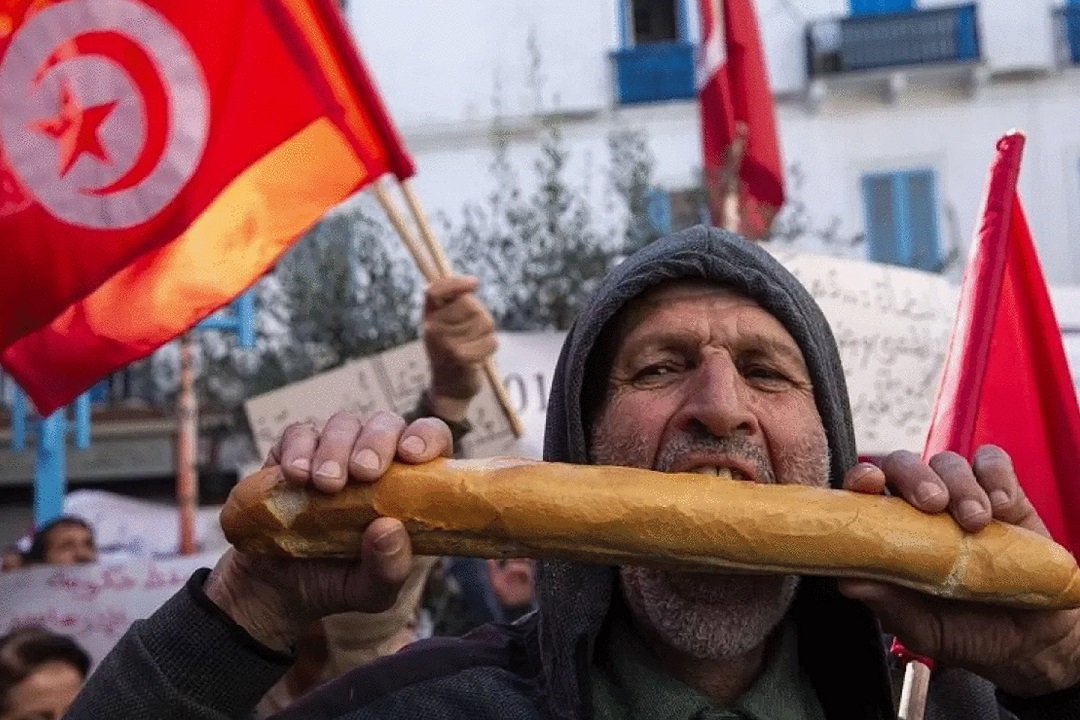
94,604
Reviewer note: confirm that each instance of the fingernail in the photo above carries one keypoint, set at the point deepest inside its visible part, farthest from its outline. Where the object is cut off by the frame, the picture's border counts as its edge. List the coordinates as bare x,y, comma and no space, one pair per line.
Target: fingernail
367,459
971,510
999,498
301,464
390,543
862,470
413,445
329,469
928,492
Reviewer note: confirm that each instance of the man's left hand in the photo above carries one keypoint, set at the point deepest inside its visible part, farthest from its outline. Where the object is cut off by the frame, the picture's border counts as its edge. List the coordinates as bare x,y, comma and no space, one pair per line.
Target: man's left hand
1024,652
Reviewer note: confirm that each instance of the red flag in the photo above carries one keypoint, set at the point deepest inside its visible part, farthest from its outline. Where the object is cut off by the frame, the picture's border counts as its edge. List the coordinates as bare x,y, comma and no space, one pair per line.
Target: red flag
733,87
155,160
1006,379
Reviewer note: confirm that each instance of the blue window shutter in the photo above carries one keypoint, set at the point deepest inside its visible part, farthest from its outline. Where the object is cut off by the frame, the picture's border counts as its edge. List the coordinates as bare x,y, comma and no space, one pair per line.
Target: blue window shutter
878,7
923,226
658,210
881,225
625,36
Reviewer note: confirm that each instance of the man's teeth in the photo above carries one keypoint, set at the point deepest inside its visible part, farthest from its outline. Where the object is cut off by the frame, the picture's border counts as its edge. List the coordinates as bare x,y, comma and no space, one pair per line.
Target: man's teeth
720,472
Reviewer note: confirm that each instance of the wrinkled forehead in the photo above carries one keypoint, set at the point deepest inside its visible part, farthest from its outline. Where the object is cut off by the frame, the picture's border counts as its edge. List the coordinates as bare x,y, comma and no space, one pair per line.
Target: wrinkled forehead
663,302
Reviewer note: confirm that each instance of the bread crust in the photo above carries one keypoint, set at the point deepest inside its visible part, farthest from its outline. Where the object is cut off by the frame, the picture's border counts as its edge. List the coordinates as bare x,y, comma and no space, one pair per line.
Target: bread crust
511,507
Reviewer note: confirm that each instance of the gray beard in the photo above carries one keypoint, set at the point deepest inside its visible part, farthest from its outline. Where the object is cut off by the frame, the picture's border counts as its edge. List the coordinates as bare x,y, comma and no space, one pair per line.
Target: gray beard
710,616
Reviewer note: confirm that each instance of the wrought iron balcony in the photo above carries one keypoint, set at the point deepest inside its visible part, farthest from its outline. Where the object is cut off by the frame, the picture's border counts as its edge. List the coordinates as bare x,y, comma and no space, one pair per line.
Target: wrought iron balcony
1068,24
896,40
653,72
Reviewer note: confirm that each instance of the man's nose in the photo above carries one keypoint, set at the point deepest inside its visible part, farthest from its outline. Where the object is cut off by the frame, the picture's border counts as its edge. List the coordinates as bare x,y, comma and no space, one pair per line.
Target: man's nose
717,398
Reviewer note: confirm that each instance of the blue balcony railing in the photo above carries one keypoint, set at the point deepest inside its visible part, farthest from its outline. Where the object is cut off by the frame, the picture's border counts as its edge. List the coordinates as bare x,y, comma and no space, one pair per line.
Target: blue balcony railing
872,42
654,72
1069,32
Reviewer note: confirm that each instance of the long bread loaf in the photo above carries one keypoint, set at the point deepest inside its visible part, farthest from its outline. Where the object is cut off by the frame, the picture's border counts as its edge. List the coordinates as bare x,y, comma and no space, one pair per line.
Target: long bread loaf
508,507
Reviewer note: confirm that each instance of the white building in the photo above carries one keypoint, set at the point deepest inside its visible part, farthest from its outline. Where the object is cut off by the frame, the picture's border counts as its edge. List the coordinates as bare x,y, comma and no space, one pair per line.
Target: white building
889,108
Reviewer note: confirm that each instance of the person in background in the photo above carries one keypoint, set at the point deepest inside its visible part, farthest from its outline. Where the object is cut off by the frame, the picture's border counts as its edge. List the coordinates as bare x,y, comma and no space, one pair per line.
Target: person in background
40,674
459,335
11,559
67,540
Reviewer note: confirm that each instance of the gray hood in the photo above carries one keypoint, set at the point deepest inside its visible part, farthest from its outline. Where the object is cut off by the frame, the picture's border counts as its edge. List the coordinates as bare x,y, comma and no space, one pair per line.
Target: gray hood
841,647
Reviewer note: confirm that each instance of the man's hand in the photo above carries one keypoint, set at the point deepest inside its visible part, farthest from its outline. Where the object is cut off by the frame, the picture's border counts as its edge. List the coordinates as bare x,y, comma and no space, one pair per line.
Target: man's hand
459,334
1025,652
274,598
512,581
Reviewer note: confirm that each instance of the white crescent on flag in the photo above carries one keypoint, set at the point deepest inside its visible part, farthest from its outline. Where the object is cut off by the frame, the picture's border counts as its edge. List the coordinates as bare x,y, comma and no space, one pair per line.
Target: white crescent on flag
104,113
713,53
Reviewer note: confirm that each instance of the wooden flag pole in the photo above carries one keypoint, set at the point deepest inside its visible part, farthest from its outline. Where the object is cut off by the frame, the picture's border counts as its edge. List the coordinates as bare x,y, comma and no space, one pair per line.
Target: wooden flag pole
442,269
402,227
426,231
732,212
913,695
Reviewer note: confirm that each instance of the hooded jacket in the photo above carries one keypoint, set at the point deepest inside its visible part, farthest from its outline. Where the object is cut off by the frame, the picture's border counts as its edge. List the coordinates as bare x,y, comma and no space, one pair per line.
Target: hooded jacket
539,667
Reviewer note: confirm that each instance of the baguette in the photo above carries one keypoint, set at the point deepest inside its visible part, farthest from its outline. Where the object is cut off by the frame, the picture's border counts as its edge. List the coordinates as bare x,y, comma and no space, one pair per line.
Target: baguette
509,507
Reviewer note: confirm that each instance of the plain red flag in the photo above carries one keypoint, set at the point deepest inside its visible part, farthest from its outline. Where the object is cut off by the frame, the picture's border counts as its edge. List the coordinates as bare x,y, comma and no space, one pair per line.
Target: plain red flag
156,159
1006,380
733,87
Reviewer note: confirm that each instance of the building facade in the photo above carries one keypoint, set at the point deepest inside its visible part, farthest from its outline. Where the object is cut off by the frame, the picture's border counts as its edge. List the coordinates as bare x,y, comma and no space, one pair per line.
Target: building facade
887,109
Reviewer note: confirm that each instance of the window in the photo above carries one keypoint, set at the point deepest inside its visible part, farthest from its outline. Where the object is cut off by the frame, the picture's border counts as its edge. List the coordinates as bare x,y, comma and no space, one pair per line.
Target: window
901,218
653,21
880,7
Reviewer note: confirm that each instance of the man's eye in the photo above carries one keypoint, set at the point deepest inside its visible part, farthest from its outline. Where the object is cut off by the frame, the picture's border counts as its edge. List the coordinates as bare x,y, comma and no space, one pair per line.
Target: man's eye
764,372
654,371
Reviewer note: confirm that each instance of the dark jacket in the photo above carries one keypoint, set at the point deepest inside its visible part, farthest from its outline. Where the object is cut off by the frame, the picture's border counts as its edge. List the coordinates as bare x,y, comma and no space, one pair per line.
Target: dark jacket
539,667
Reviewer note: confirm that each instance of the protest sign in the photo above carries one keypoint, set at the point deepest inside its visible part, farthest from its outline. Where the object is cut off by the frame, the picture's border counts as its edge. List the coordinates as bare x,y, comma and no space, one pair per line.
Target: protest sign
393,381
892,326
94,604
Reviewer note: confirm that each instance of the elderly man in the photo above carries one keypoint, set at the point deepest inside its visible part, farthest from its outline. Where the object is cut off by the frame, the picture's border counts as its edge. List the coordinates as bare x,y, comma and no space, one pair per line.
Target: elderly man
699,352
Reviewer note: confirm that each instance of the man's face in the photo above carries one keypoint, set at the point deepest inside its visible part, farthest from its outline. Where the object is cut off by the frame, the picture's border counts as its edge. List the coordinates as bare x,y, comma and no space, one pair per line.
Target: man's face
704,380
70,544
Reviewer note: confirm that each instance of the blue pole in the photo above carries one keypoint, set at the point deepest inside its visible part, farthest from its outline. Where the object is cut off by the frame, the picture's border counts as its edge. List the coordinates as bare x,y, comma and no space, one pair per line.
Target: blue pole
245,316
49,478
18,419
82,421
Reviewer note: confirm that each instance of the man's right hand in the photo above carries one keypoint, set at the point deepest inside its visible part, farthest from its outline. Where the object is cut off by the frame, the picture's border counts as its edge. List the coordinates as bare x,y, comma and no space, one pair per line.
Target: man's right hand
273,598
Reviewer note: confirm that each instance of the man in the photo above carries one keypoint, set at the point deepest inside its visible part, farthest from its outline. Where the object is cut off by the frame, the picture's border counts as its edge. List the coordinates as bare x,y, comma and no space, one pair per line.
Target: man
40,674
699,352
67,540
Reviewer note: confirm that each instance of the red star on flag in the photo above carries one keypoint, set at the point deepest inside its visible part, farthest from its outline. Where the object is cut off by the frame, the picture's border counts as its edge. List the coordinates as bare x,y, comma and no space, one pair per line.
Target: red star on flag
76,128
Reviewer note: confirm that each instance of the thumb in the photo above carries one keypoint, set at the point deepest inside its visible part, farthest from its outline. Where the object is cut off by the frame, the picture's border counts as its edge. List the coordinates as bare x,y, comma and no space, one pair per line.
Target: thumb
385,564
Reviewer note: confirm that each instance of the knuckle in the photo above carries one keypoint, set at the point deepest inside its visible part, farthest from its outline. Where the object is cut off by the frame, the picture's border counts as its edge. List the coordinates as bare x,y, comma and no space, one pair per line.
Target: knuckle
950,464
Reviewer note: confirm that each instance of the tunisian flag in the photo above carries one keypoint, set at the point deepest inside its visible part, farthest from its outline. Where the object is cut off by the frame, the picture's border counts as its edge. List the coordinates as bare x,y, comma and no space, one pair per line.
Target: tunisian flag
733,88
1006,380
156,158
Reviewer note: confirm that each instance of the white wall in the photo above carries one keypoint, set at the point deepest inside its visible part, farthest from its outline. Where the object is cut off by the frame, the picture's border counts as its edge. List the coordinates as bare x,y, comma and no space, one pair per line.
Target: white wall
437,62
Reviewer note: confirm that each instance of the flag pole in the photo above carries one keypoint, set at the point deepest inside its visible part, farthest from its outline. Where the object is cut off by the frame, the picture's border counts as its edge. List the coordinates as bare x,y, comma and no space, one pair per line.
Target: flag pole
187,480
442,269
732,215
402,227
913,695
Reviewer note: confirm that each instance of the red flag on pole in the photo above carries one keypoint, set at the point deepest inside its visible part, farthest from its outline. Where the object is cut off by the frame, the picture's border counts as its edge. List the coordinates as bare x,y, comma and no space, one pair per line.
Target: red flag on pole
1006,380
155,160
733,87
